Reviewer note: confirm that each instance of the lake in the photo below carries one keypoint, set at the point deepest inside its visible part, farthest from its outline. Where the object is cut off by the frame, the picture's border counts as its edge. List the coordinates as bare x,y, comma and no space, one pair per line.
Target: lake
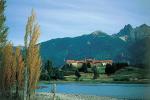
102,89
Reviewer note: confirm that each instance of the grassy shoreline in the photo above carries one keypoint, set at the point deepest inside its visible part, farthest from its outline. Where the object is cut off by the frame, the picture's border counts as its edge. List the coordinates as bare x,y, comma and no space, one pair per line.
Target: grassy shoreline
95,82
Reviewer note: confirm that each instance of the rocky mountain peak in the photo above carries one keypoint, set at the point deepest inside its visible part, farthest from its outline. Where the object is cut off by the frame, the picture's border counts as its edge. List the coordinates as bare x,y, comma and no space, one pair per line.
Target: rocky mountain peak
126,30
142,32
144,25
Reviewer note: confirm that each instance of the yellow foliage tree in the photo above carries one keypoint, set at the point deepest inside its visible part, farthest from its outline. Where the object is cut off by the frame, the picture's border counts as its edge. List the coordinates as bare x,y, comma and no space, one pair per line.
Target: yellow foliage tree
32,56
12,70
19,70
8,69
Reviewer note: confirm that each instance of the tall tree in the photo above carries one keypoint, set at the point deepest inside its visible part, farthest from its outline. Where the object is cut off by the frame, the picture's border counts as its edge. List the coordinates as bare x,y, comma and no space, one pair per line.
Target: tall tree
95,72
19,70
84,68
3,28
8,69
48,66
32,56
3,34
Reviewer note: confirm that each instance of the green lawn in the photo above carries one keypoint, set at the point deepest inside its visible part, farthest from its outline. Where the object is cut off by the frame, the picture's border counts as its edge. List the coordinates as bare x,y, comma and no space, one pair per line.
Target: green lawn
126,75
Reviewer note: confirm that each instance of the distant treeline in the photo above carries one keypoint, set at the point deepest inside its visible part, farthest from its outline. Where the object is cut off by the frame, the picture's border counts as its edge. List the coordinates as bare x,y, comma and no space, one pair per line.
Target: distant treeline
49,72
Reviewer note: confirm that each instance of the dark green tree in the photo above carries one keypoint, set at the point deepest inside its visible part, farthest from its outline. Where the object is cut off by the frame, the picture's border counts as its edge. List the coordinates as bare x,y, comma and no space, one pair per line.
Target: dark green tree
77,74
56,74
68,67
95,72
109,69
48,66
3,27
3,35
84,68
88,65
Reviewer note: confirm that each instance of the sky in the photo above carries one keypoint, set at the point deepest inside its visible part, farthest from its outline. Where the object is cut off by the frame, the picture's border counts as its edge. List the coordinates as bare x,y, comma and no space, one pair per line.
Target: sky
70,18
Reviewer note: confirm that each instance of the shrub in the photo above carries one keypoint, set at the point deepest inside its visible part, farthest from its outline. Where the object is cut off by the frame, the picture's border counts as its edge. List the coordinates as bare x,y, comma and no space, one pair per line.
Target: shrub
77,74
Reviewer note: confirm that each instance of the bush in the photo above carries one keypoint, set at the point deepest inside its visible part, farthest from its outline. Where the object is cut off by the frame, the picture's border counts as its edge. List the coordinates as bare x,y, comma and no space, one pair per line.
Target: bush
109,69
56,74
77,74
122,78
44,77
118,66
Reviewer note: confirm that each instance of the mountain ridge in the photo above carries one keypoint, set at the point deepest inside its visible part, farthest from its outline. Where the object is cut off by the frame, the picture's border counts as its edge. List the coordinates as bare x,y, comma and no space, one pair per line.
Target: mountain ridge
98,45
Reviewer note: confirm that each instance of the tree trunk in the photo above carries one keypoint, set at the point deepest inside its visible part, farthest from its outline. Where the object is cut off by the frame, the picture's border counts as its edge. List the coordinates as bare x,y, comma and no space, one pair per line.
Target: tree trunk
17,85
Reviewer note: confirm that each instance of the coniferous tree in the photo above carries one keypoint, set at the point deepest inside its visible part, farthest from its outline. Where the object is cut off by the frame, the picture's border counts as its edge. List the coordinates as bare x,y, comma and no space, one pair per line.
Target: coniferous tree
95,72
3,34
48,66
3,28
84,67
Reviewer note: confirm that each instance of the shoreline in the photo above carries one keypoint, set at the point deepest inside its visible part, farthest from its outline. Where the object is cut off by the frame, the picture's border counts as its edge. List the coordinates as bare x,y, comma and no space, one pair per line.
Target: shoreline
93,82
63,96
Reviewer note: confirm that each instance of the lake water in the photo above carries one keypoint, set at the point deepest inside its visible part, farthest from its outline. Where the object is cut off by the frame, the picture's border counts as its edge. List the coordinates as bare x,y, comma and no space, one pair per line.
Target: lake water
112,90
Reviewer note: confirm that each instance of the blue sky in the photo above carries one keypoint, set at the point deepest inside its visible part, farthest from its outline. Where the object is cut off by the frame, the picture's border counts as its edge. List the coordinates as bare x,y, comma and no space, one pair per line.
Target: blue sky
69,18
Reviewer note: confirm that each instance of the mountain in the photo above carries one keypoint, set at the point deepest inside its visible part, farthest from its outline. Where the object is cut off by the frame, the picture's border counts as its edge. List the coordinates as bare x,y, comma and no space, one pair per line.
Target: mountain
137,47
98,45
128,33
141,32
127,30
125,33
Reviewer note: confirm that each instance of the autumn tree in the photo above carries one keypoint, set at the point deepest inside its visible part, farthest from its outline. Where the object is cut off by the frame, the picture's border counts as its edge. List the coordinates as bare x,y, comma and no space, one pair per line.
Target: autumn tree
8,70
19,70
12,70
32,56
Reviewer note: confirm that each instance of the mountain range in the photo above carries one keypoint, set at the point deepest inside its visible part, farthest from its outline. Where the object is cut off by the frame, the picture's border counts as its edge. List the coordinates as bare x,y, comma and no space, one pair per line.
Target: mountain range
118,47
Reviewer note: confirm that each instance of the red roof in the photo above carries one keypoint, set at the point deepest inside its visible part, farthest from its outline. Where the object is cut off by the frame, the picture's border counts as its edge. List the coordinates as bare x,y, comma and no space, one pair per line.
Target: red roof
92,61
